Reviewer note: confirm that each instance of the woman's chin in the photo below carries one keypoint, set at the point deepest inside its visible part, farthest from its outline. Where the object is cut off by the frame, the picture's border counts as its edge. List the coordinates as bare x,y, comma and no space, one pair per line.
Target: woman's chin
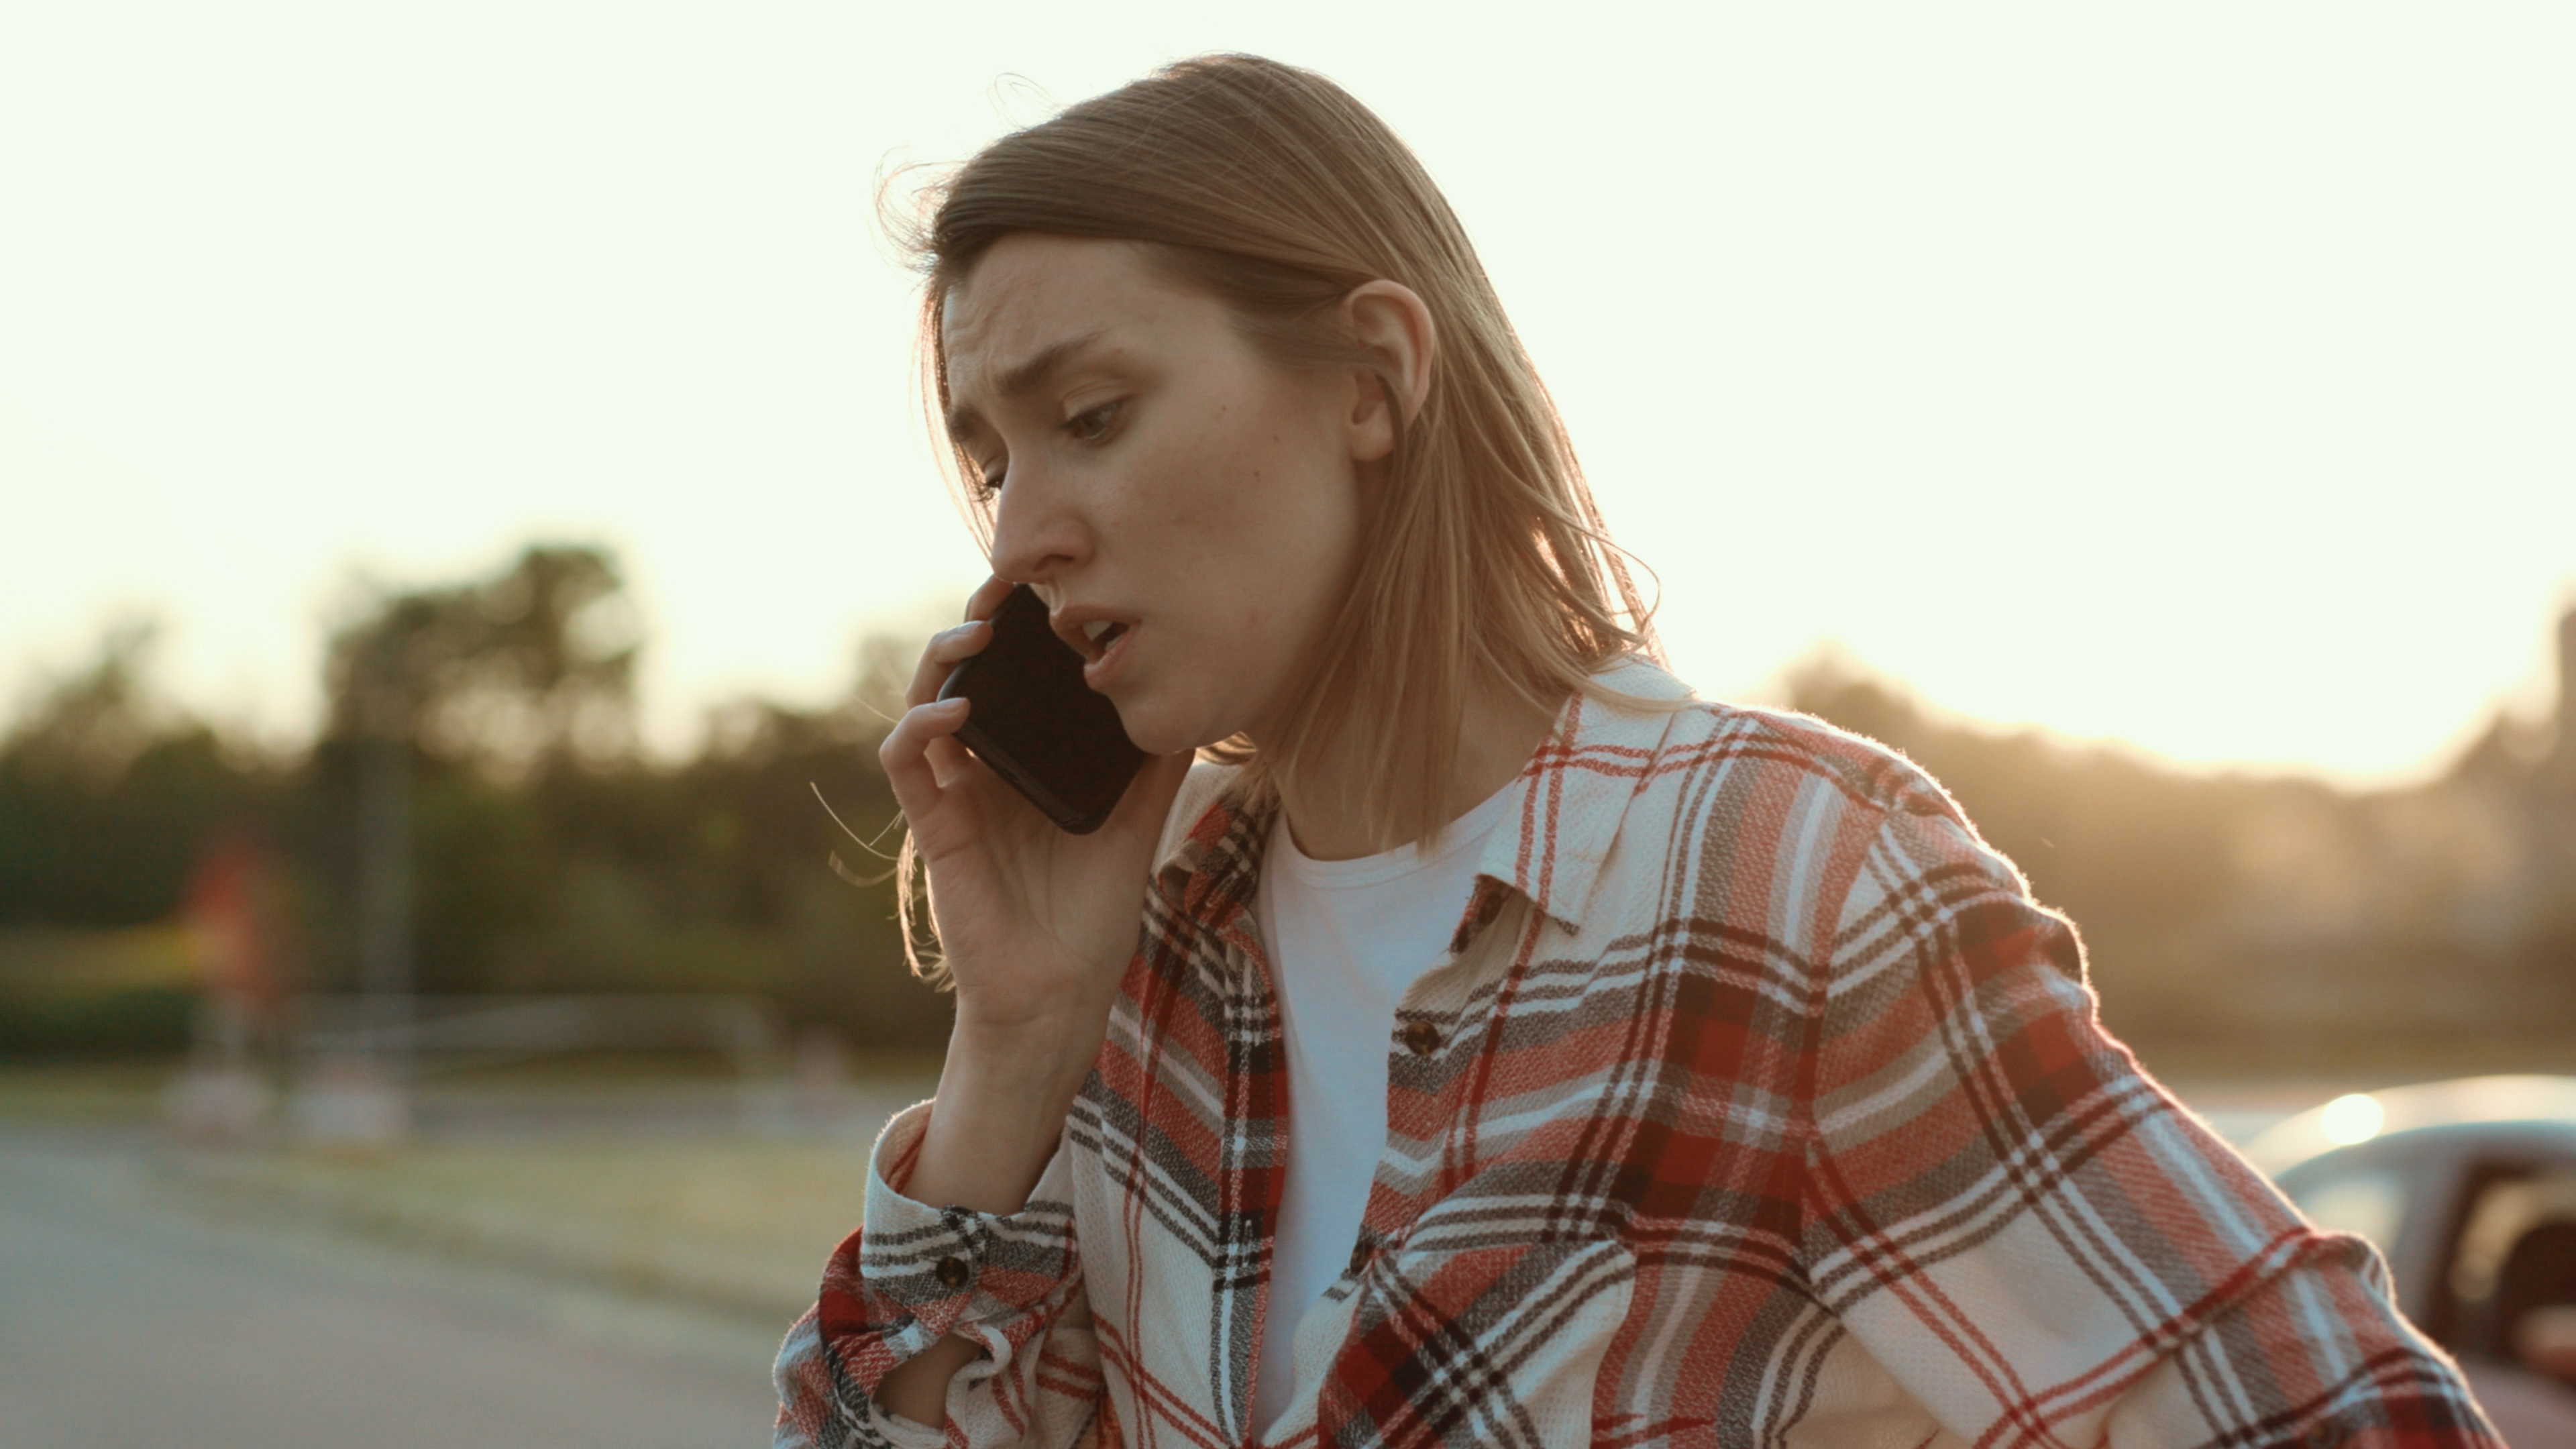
1163,731
1162,741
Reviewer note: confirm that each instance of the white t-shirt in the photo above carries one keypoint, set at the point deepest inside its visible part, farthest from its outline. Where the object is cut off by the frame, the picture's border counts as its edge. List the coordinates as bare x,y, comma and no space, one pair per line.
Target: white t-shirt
1345,939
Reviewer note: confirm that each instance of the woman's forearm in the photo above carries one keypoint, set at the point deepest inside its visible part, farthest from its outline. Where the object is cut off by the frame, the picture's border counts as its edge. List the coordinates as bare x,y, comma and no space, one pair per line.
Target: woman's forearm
1003,1095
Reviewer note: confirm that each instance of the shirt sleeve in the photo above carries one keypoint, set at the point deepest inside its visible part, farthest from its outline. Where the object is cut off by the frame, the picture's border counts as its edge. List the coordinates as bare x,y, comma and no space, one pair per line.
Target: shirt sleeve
914,1274
2029,1234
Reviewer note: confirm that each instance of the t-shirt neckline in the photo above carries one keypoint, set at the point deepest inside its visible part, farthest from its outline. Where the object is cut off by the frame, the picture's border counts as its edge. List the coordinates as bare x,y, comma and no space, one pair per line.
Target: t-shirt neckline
1467,832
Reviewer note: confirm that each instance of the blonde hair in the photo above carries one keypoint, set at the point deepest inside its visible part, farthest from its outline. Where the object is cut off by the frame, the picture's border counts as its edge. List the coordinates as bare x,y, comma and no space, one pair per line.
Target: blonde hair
1278,192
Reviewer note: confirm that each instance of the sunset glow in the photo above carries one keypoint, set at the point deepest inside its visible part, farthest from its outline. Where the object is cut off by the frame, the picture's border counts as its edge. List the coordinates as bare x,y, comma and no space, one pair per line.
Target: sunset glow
2192,376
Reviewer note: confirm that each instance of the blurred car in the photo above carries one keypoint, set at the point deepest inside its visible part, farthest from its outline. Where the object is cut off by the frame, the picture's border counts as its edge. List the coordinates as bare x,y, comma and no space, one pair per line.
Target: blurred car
2468,1187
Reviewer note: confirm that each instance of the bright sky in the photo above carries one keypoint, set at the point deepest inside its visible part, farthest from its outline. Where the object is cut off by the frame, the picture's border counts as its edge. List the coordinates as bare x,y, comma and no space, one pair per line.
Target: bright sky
2198,374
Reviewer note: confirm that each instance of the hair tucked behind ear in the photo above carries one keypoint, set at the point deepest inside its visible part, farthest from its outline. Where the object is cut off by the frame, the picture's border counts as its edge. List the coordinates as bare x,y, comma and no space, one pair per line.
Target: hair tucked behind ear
1278,192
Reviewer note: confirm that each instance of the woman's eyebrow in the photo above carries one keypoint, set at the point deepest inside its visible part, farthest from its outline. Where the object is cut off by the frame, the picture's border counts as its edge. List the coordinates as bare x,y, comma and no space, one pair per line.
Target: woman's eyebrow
1025,377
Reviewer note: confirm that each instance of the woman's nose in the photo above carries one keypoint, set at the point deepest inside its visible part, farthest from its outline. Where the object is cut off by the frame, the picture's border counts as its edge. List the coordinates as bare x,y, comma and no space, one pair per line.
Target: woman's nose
1037,535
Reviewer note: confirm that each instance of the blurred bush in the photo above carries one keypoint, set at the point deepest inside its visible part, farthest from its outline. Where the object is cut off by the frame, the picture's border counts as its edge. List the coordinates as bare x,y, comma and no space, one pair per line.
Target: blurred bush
95,993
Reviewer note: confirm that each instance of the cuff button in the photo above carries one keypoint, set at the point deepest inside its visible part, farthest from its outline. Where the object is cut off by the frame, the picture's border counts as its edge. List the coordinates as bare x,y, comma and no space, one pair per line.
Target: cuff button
951,1272
1422,1038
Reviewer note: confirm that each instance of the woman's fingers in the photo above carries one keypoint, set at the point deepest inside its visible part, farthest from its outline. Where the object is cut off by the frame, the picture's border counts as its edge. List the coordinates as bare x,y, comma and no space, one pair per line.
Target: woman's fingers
949,647
905,755
987,597
948,761
941,656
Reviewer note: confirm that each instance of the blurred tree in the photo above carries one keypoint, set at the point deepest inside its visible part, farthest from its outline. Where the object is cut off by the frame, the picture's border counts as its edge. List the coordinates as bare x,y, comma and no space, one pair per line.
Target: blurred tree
87,727
107,794
445,704
531,666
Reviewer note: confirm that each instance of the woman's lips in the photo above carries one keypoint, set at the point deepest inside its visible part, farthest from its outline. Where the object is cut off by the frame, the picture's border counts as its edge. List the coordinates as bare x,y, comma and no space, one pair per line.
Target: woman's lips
1098,633
1111,651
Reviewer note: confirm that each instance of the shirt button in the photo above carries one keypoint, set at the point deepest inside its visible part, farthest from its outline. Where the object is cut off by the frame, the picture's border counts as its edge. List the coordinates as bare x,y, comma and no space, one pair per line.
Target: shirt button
951,1272
1360,1256
1422,1038
2323,1434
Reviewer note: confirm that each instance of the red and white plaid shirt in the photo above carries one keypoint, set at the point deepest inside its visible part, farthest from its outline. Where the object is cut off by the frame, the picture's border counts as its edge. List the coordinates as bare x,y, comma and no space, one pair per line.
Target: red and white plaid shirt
1755,1104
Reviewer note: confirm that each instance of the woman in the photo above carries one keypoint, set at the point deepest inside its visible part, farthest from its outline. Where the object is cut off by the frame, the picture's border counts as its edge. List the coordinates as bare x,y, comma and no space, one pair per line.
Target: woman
1515,1048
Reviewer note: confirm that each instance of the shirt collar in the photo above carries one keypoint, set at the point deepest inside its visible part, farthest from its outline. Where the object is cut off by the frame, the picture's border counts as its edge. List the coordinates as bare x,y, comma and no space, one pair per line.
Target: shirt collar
1210,857
1567,808
1577,788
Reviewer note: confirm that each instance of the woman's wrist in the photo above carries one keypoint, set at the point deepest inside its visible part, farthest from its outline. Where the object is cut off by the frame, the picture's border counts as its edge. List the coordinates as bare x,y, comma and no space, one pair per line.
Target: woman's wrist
1003,1097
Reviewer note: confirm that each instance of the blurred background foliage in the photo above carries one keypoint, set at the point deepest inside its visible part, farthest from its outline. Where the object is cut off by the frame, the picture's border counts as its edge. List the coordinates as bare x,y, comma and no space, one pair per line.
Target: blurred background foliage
548,853
2233,922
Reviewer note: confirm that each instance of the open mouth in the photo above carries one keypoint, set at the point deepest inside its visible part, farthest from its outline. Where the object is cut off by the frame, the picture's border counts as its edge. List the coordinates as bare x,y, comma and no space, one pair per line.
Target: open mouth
1100,634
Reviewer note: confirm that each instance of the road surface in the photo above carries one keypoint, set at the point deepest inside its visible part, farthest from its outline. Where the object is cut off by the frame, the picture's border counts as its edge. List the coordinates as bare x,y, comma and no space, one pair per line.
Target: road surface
133,1312
128,1317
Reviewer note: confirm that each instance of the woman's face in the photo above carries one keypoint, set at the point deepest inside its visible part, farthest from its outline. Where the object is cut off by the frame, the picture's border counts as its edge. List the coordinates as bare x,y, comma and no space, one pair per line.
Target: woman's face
1190,510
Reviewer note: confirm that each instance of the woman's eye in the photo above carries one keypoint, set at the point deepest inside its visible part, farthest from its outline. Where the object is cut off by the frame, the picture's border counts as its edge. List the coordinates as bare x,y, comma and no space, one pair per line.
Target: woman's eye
1091,424
990,480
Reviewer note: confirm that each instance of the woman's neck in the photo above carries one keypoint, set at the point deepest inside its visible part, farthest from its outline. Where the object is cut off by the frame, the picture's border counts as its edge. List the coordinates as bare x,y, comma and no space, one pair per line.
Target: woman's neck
1497,736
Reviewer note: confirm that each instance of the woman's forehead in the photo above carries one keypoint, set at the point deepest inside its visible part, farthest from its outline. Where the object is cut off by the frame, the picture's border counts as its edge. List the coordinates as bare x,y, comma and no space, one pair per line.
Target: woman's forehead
1032,295
1027,279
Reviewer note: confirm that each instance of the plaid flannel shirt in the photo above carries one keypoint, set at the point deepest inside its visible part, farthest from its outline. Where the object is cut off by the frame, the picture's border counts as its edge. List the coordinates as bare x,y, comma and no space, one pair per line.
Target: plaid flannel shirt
1754,1104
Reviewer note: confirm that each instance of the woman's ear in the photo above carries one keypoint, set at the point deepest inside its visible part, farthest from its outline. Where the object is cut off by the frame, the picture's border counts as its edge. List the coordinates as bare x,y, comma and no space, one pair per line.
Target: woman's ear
1390,321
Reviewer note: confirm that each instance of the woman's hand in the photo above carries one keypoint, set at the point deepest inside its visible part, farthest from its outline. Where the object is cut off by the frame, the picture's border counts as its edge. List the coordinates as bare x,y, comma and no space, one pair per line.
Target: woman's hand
1036,924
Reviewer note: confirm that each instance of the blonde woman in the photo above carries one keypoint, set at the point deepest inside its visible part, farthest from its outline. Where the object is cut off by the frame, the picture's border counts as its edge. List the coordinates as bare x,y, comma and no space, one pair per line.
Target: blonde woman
1514,1049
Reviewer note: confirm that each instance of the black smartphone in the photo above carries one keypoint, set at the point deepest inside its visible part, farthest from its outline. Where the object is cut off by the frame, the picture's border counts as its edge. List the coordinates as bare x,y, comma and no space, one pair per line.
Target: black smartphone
1038,725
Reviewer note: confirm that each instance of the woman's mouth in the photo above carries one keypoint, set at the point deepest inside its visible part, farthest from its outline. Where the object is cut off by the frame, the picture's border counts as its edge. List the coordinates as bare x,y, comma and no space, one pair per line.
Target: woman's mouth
1106,645
1102,639
1102,633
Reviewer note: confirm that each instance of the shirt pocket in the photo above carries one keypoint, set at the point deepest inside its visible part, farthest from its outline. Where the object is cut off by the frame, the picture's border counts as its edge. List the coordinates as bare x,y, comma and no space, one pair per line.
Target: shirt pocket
1482,1343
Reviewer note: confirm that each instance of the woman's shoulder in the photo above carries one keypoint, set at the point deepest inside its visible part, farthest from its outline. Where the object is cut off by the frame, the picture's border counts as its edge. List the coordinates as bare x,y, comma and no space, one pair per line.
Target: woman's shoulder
1702,735
1764,798
1880,794
1879,797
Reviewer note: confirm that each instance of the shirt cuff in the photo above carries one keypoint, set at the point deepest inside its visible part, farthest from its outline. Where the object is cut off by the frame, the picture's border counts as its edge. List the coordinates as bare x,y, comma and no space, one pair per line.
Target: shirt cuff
902,1433
953,1269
